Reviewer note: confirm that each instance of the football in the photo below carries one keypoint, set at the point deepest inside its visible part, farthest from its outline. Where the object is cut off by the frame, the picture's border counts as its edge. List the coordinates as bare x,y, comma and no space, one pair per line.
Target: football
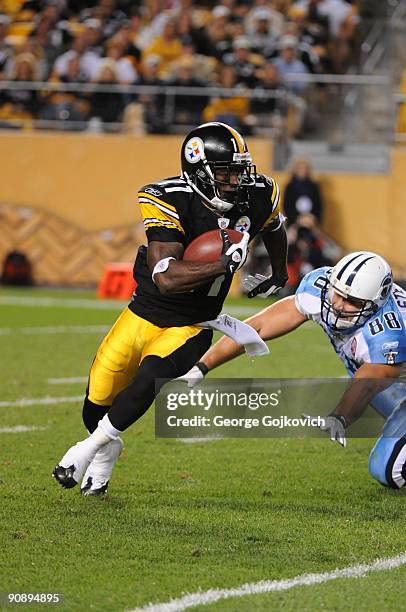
207,247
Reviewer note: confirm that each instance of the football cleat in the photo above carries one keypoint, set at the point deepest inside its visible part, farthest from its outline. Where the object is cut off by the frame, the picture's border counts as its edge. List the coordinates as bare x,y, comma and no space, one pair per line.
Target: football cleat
65,476
96,478
73,464
90,489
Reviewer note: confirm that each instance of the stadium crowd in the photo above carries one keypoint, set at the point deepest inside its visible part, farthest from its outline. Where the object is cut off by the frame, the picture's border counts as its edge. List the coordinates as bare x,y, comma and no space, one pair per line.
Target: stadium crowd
259,45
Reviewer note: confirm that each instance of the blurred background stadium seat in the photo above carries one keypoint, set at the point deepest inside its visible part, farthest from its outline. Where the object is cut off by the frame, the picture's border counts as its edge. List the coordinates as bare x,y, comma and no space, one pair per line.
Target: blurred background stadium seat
96,96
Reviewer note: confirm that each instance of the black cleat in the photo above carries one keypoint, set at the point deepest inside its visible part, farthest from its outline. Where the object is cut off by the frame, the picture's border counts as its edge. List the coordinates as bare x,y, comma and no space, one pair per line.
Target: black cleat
65,476
87,489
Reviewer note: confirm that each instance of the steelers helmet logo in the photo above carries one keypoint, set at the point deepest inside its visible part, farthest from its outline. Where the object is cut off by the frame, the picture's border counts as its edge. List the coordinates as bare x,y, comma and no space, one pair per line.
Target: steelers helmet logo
194,150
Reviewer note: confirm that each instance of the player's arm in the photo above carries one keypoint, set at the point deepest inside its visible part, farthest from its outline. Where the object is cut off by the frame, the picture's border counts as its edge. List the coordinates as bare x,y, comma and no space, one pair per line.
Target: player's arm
275,240
165,234
370,379
171,274
276,320
179,276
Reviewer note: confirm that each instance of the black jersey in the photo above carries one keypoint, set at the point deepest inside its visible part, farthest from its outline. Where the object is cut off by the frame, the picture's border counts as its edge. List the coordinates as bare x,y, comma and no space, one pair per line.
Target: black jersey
173,212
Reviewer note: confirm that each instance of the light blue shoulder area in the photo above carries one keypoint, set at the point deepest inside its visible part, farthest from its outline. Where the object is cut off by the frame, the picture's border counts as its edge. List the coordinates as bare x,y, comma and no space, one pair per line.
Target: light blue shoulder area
313,282
385,335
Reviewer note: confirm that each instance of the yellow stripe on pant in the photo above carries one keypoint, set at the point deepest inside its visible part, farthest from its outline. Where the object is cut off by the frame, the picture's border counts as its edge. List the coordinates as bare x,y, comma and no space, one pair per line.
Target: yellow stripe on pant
129,341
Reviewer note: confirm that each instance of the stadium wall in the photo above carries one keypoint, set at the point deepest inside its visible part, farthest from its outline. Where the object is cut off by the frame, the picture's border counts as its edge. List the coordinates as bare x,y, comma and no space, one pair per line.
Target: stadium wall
69,200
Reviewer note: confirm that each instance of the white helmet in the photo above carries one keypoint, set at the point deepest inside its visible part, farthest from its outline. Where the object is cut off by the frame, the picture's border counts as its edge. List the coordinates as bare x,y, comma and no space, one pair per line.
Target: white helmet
365,278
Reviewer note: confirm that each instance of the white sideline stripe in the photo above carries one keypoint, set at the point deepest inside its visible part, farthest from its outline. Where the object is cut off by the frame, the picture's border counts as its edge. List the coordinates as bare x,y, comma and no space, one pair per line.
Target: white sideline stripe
30,401
45,302
198,440
21,429
63,381
55,329
17,300
191,600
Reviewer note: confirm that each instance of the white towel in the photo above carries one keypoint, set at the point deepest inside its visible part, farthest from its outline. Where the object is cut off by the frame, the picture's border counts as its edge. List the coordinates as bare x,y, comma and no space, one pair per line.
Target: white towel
239,332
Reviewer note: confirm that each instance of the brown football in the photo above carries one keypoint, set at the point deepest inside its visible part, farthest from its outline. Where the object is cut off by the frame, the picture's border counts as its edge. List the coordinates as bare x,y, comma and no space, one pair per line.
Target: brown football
208,246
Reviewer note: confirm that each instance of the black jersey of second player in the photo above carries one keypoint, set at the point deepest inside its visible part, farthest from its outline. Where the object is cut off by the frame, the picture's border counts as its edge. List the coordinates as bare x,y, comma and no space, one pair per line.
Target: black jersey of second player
172,212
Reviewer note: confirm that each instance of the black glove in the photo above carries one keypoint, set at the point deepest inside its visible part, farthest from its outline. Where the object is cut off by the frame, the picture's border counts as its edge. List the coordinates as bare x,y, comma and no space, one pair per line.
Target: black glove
264,285
233,255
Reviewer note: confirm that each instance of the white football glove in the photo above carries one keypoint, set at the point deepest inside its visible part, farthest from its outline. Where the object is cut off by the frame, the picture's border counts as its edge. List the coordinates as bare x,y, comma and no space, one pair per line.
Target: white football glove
234,255
195,375
263,286
334,426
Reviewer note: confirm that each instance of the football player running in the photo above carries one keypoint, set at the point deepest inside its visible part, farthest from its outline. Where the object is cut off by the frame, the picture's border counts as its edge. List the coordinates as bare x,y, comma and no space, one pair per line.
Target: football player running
364,315
158,335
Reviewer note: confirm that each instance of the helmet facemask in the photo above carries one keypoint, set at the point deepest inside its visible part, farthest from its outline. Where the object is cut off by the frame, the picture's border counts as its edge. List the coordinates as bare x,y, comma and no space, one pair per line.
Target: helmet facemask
341,321
229,183
224,185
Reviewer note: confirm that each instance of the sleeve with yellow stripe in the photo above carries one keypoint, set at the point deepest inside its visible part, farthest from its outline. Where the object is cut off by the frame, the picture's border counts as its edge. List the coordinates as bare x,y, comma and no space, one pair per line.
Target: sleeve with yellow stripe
275,218
161,219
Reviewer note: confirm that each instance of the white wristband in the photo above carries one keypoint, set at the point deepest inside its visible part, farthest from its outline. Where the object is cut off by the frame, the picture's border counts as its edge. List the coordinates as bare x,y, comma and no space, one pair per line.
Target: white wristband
161,266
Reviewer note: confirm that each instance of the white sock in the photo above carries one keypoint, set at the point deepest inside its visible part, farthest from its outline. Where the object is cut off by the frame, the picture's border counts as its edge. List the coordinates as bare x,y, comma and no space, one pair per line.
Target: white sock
107,428
104,433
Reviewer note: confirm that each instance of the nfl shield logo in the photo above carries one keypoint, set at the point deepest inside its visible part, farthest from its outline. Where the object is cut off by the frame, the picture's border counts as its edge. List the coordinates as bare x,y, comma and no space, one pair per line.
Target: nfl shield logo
223,222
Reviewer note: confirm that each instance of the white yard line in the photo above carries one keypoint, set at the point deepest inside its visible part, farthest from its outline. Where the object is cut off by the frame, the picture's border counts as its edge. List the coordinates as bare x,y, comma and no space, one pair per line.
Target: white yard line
199,440
271,586
67,381
21,429
46,302
55,329
31,401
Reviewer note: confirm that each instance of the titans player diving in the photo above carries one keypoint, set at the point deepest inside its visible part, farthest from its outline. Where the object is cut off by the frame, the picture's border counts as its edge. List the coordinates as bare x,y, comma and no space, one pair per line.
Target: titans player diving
158,335
364,315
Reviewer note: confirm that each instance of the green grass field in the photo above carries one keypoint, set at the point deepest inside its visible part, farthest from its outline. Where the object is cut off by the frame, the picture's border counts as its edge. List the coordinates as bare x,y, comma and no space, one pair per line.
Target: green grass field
180,517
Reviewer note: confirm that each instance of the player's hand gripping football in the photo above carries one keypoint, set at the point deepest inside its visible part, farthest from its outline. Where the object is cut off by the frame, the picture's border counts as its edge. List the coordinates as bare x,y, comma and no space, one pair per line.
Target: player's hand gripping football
334,425
264,286
234,254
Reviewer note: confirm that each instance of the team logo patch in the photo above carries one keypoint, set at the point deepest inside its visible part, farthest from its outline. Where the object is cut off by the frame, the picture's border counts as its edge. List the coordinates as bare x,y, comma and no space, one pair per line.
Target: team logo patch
153,191
243,224
194,150
389,352
353,347
223,222
391,357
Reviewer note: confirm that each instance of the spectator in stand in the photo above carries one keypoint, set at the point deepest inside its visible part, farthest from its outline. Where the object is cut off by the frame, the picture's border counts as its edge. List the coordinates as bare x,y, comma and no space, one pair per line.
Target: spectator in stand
67,106
153,103
6,50
46,36
228,107
203,66
261,10
18,104
262,36
269,111
167,46
124,65
187,108
214,39
289,65
303,206
302,194
107,106
243,62
126,36
186,29
341,18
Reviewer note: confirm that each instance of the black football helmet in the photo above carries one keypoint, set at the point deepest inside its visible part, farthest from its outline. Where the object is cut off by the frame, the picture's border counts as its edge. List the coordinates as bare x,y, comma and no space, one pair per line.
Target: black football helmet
218,167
